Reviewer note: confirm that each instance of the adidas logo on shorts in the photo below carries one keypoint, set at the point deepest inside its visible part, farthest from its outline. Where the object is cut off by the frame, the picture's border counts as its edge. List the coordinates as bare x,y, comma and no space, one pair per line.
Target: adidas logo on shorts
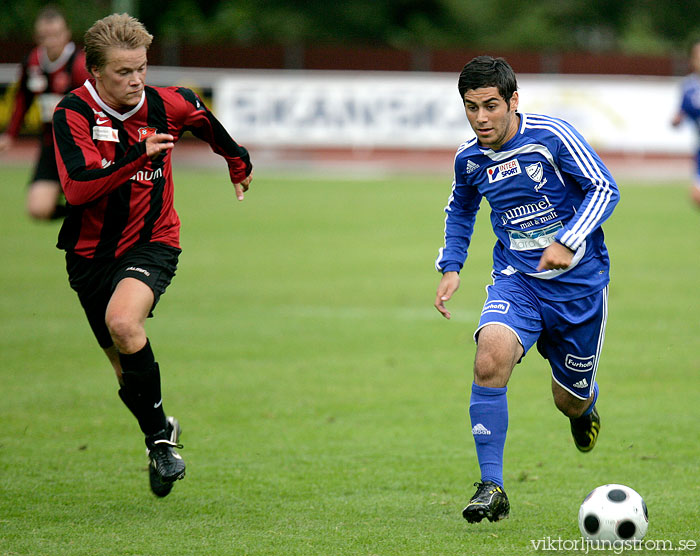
581,383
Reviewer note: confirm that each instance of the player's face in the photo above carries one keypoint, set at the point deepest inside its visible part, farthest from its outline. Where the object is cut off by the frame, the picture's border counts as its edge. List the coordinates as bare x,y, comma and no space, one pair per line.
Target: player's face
53,35
121,80
493,120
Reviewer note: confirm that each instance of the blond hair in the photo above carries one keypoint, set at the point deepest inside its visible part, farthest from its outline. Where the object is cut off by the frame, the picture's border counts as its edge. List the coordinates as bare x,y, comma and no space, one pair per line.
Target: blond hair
113,31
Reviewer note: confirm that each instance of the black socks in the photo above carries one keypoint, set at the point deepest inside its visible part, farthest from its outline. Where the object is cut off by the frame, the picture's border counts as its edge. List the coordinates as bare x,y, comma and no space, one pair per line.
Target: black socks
141,390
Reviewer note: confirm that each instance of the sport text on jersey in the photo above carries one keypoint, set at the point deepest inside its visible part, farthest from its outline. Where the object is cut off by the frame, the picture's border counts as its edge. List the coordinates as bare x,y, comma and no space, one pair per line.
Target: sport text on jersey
503,171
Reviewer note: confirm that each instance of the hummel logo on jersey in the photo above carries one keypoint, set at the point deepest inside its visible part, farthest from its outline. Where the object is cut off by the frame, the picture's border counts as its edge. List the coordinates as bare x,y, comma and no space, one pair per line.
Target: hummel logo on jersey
581,383
503,171
480,429
471,166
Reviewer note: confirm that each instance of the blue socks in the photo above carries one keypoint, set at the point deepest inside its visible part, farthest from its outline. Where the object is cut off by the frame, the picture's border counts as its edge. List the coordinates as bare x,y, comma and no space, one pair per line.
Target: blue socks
595,399
488,409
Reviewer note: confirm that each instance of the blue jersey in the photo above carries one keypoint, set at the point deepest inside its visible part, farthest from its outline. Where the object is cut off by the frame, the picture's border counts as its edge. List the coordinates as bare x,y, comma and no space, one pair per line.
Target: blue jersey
545,184
690,101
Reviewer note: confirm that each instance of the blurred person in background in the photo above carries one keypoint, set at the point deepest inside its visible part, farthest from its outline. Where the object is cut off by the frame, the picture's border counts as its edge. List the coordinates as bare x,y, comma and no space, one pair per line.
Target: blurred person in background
121,235
690,109
549,193
53,68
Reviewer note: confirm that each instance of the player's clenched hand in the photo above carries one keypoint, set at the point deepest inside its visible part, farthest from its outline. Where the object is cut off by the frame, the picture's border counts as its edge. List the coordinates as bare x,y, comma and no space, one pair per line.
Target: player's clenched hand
158,143
448,285
243,186
555,256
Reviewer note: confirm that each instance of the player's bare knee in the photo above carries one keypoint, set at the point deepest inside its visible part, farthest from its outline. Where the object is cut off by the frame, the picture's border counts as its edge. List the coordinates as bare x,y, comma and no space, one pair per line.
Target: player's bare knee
123,329
490,369
484,370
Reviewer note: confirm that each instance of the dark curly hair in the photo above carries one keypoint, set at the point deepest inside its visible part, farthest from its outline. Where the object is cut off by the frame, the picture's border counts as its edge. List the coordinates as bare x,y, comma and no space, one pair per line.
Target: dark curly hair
487,71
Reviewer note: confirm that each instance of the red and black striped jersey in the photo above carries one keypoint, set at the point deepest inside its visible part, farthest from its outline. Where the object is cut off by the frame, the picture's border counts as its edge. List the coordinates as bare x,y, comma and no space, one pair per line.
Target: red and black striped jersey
117,196
47,81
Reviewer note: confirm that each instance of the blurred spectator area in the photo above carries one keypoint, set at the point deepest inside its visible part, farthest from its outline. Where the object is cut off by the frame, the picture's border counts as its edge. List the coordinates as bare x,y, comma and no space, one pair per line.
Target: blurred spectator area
326,57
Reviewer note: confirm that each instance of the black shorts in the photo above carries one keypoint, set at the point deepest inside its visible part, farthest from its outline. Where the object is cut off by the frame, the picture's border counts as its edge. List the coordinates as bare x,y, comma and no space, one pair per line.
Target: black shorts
95,280
46,168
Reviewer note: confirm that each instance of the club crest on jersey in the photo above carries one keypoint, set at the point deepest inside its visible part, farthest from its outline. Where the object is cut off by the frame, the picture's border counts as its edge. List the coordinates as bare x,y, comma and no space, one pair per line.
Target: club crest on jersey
146,132
535,172
503,171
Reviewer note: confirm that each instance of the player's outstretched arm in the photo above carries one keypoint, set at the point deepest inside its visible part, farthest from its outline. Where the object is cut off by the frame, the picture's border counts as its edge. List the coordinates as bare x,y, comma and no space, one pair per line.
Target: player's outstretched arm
198,119
448,286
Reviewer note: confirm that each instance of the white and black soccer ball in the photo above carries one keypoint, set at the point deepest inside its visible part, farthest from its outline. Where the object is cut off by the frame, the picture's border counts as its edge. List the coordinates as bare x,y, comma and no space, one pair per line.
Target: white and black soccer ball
613,513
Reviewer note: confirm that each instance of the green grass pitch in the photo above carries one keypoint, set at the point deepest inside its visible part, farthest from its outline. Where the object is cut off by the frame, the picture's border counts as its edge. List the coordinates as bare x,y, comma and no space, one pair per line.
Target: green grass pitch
323,399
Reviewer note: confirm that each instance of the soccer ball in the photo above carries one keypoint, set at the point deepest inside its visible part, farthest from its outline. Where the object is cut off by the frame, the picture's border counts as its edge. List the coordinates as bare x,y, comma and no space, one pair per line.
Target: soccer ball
612,513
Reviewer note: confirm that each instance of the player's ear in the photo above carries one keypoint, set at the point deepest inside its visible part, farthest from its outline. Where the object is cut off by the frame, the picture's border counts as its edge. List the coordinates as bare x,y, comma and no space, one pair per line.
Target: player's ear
514,101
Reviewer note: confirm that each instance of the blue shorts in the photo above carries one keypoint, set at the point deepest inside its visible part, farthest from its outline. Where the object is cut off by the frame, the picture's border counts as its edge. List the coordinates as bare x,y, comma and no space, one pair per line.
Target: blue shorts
569,334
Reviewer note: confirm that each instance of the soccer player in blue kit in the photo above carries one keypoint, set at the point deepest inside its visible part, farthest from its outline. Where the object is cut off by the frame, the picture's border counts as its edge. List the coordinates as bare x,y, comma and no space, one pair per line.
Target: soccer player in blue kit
690,109
549,193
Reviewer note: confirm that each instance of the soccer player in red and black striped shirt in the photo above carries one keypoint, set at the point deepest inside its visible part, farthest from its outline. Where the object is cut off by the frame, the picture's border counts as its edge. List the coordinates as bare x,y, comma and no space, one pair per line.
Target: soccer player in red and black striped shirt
113,138
55,67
